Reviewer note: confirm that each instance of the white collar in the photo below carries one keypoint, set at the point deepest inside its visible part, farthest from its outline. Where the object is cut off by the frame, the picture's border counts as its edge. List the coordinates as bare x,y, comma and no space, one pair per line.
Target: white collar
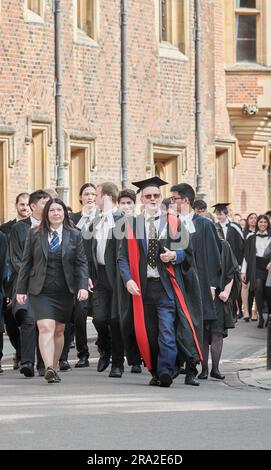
34,222
147,215
59,230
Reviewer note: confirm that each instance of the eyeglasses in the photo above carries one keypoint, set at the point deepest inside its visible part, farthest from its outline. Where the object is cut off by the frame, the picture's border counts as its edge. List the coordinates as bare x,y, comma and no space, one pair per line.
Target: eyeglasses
149,196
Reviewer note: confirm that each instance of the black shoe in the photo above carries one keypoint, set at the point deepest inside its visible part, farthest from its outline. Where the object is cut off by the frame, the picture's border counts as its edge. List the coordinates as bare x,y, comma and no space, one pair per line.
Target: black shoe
261,323
165,379
50,375
27,369
154,381
83,362
41,372
217,375
103,363
190,379
136,369
64,365
57,378
116,372
246,319
203,375
1,370
16,363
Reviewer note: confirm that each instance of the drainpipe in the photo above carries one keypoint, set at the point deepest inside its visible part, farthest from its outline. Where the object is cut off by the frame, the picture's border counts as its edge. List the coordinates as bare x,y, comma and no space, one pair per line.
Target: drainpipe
199,148
62,191
124,93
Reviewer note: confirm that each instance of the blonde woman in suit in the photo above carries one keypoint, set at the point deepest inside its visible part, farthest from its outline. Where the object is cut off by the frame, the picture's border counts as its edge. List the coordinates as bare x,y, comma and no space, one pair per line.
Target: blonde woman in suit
54,270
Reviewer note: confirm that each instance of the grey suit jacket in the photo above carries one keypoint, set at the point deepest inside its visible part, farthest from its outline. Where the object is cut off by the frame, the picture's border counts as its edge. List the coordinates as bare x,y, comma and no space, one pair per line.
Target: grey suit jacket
33,269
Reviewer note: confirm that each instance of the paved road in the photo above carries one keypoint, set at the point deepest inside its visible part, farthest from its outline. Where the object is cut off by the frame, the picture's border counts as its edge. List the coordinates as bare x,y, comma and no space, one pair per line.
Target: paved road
90,411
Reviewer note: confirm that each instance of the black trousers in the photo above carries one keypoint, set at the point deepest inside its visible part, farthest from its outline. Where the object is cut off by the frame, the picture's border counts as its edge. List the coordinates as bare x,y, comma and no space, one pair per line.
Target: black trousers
109,333
80,328
28,335
12,329
262,294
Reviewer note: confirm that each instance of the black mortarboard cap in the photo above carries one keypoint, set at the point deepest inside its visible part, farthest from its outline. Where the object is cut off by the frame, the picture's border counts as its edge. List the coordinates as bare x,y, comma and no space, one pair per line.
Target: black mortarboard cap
154,181
221,206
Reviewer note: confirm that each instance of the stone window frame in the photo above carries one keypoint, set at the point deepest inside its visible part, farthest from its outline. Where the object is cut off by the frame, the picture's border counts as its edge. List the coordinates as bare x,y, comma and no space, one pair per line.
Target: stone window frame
263,38
231,147
31,17
175,148
7,138
170,49
84,140
43,124
81,37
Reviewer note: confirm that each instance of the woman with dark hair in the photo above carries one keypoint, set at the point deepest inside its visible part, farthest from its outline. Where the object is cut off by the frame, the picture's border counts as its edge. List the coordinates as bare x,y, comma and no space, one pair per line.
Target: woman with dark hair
254,268
87,197
251,222
54,269
247,293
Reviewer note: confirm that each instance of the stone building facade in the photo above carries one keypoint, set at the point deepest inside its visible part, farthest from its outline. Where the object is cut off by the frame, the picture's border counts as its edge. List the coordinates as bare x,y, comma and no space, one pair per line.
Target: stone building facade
235,96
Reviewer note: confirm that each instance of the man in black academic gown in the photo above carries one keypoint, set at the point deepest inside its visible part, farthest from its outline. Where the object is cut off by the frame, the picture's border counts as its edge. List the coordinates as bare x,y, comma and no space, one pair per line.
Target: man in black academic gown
12,328
230,231
3,254
152,263
101,250
206,248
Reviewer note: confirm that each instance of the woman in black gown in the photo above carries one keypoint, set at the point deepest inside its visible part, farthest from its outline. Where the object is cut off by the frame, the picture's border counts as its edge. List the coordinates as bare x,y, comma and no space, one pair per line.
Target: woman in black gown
54,270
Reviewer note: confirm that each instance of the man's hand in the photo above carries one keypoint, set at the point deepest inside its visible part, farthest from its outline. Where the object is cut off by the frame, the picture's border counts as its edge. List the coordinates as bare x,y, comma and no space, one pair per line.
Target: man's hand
168,256
21,298
132,287
82,295
244,278
224,296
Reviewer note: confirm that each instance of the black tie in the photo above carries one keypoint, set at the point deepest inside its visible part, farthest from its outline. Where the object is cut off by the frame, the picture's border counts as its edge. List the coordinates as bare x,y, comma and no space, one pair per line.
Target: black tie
153,244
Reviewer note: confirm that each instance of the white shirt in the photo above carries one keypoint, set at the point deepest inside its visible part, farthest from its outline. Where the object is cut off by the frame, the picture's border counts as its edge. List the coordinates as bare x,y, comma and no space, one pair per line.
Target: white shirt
59,231
101,233
188,221
224,226
150,271
261,245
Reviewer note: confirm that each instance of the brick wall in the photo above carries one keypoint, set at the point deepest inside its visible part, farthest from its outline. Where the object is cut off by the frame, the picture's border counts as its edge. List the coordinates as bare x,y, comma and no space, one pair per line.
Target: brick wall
161,91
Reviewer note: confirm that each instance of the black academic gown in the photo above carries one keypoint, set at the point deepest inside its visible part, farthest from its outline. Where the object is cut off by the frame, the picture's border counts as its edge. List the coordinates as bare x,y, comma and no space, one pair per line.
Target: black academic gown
207,248
235,238
3,254
187,280
230,272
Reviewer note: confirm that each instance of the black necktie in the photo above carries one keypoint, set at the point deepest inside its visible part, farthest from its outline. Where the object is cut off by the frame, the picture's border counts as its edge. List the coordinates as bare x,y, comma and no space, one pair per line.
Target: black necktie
262,235
153,243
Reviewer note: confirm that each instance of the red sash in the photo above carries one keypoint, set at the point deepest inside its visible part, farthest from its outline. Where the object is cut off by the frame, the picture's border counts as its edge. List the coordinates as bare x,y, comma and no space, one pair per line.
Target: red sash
138,309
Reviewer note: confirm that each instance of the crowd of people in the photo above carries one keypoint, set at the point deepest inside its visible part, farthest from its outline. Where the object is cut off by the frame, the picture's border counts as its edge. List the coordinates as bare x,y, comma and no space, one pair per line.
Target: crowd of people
162,279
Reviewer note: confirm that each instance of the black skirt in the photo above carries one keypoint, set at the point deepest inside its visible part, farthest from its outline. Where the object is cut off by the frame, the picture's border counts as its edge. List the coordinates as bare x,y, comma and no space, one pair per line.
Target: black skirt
53,306
55,302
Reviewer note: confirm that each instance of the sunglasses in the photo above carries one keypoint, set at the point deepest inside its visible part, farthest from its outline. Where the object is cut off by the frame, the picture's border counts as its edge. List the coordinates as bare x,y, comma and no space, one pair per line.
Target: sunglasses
150,196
